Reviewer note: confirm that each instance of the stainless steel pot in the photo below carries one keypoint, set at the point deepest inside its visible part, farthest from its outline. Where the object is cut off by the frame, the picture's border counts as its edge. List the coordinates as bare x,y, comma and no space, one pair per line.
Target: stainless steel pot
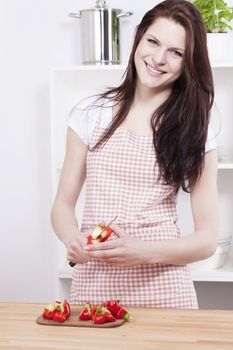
100,33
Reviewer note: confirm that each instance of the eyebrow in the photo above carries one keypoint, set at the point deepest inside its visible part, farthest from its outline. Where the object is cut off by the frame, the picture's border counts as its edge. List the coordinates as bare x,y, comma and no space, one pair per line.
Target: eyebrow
175,48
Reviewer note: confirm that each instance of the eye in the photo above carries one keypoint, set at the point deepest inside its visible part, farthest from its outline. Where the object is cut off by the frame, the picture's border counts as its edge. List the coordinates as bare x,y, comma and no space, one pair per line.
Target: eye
152,41
177,53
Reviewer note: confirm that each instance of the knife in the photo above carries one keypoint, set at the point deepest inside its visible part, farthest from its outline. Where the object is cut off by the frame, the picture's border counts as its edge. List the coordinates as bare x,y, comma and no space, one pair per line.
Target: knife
73,264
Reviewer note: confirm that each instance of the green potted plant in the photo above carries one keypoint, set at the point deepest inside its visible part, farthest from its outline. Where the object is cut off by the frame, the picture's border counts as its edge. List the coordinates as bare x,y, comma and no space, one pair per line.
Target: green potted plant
217,16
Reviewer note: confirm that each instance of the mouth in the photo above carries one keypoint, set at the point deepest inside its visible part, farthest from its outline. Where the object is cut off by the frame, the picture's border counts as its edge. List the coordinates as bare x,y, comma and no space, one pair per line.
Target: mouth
154,71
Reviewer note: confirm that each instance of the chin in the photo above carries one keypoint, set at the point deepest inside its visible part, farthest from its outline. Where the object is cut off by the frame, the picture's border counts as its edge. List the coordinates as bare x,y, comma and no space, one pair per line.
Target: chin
152,85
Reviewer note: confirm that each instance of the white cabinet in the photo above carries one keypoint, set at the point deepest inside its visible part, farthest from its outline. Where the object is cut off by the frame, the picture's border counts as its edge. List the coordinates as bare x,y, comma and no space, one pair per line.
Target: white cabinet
68,85
222,126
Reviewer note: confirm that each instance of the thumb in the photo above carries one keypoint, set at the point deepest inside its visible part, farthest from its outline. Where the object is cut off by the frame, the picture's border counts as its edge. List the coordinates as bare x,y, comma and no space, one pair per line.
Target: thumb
118,231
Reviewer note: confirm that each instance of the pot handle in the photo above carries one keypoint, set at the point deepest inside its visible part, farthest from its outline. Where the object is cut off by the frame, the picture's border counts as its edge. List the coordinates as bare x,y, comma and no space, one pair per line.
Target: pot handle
124,14
75,15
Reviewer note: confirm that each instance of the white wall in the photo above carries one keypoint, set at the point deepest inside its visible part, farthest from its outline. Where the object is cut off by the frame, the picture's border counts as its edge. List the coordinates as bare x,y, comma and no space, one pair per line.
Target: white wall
35,36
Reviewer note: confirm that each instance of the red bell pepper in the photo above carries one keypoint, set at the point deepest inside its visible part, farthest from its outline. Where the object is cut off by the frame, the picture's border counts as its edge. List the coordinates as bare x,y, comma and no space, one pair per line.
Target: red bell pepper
108,316
59,311
113,306
49,311
98,315
123,313
59,316
105,233
85,314
107,312
67,310
62,311
89,239
100,234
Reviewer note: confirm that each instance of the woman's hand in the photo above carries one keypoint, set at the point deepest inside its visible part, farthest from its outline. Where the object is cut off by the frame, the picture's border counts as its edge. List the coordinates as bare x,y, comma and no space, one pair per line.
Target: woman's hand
75,252
123,251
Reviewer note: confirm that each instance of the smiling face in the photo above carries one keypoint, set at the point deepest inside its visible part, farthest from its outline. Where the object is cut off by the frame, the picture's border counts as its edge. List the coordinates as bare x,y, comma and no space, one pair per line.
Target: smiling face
160,53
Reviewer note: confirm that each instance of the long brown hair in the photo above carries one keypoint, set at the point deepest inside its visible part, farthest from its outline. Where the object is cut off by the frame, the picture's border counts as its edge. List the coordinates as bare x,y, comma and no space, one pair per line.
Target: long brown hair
180,124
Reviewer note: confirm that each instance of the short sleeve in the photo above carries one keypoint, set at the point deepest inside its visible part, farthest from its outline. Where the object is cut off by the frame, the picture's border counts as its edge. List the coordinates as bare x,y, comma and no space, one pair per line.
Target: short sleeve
82,119
211,141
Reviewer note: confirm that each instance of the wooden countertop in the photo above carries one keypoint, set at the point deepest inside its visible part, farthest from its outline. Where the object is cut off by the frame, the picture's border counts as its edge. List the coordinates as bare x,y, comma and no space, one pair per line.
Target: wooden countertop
150,329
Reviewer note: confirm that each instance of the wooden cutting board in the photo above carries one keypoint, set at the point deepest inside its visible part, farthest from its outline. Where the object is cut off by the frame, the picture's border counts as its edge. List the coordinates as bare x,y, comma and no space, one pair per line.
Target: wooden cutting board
74,321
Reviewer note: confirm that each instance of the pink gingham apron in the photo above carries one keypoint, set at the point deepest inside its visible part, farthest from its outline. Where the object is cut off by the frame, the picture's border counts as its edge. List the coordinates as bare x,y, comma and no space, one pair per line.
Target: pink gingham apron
123,180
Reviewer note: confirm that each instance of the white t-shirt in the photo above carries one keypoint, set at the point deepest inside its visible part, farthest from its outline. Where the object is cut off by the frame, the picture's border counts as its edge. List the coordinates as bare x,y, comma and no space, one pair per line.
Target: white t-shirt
83,118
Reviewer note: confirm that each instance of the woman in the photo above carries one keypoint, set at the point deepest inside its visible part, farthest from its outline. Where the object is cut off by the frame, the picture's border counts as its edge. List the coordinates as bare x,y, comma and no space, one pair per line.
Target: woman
136,146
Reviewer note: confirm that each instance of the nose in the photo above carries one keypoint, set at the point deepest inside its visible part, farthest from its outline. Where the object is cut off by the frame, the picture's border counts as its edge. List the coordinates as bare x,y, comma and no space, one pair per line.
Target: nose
159,57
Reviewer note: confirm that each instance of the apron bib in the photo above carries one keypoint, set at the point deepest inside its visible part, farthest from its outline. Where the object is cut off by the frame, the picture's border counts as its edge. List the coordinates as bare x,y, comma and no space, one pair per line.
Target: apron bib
123,179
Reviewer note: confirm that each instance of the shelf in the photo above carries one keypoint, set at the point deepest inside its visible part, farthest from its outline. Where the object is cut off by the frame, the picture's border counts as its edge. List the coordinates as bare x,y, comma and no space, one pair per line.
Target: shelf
199,274
223,64
202,273
122,67
214,275
225,165
93,67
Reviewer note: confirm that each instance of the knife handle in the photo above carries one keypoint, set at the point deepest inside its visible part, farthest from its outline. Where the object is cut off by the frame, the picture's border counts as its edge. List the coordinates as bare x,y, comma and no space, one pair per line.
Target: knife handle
71,264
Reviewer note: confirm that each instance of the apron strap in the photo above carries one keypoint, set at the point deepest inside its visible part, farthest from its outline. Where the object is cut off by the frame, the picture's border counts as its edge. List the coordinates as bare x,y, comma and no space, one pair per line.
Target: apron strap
99,110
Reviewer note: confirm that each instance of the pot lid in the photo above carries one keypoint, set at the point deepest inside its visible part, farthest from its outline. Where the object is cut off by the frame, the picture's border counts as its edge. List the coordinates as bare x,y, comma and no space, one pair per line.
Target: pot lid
100,5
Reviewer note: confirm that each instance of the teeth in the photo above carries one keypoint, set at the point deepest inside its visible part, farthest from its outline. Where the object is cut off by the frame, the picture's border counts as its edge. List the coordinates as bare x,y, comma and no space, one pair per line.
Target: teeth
153,70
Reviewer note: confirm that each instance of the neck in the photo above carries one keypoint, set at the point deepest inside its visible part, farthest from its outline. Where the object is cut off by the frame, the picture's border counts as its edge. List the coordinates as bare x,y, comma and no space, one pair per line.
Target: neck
150,96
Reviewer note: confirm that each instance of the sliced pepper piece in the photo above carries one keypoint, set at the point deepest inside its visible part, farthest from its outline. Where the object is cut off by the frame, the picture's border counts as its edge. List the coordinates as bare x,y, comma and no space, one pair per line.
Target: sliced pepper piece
67,310
59,316
105,233
123,314
85,314
59,311
113,306
49,311
89,239
100,234
98,316
108,316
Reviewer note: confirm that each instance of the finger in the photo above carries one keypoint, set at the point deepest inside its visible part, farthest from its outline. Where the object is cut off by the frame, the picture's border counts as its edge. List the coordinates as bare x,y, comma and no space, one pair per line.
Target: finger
108,245
80,258
75,250
105,254
99,254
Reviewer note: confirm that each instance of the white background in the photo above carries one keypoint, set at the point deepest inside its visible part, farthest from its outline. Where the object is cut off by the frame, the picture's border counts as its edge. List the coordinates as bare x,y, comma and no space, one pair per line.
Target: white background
36,36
